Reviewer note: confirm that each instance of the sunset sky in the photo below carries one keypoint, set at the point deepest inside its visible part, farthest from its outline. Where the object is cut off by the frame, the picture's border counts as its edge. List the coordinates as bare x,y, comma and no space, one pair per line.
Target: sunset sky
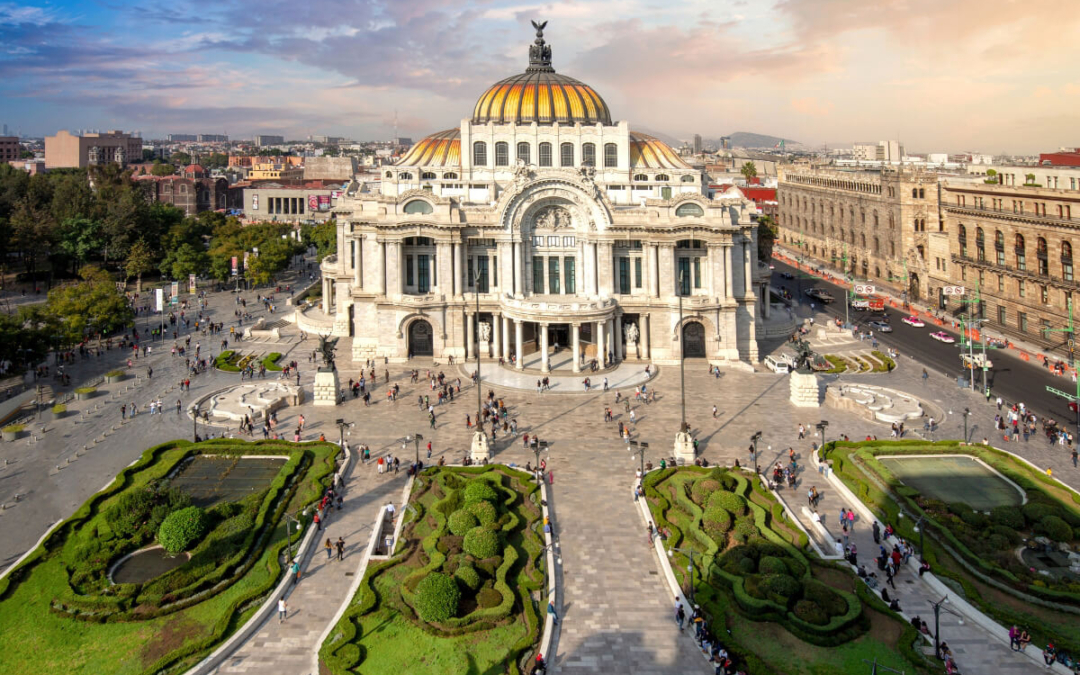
942,75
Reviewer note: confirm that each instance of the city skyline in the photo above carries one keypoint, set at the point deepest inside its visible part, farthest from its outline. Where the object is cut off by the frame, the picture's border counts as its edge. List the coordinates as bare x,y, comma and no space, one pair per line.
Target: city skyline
964,76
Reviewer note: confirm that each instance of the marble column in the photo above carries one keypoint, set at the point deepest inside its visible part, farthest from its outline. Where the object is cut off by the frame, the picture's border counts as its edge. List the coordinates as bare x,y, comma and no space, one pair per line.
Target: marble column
357,264
576,343
643,326
653,287
765,298
545,364
496,336
505,336
518,344
380,251
729,287
457,270
400,246
601,344
590,269
326,296
748,268
617,338
470,335
519,271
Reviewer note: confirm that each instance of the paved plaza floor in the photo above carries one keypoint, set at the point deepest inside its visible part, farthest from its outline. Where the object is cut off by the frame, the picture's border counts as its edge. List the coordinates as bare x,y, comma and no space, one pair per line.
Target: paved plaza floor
616,612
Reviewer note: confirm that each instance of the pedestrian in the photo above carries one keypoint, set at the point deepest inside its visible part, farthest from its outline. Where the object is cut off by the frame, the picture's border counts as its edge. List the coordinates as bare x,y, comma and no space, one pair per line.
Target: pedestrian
877,532
282,610
802,432
340,548
329,546
680,615
714,412
295,569
552,614
318,522
1074,457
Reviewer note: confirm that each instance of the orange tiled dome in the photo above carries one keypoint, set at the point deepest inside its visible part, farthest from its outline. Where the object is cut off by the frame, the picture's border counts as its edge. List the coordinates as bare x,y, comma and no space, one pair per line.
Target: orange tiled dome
442,149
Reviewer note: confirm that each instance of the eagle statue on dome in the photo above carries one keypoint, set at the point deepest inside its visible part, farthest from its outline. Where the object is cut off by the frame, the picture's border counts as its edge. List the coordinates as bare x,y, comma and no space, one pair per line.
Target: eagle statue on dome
539,28
539,52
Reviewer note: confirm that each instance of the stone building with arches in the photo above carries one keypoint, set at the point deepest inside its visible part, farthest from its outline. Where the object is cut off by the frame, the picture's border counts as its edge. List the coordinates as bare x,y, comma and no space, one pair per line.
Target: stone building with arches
873,225
542,221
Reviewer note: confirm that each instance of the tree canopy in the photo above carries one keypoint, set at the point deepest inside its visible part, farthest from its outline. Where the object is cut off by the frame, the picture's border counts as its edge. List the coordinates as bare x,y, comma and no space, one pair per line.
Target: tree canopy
89,307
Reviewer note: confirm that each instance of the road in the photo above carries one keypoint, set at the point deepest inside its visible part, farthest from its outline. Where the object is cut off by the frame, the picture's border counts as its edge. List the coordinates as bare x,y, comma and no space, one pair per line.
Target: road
1011,378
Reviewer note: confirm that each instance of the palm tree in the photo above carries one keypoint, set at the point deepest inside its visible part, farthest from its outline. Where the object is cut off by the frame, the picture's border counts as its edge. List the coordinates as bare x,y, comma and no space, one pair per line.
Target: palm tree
748,171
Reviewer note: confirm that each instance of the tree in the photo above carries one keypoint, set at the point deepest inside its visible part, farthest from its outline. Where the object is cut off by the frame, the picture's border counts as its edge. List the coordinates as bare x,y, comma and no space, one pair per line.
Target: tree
216,160
147,154
273,257
1029,179
748,171
26,154
162,169
322,236
25,337
185,260
32,232
180,158
140,260
91,306
79,238
766,237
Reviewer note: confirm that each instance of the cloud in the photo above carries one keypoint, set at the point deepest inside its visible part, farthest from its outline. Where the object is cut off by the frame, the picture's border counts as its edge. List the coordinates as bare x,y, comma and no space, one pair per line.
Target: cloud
811,106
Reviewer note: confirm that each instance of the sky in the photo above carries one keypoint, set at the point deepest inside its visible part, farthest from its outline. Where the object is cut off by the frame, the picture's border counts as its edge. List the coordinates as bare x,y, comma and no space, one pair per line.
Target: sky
941,75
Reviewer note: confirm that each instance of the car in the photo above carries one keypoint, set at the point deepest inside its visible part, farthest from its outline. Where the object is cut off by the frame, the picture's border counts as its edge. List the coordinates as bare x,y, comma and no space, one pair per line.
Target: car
914,321
778,364
787,275
978,360
880,326
942,336
820,294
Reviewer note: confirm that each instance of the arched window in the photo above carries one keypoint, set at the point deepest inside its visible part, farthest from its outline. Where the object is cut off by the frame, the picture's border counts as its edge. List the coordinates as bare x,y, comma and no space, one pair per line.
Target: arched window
566,154
922,193
1040,253
914,193
611,155
862,240
663,178
418,206
875,220
640,177
427,175
389,174
687,179
588,154
1066,261
479,153
892,249
404,176
449,176
961,236
980,244
1021,253
922,252
545,154
523,152
502,154
876,247
689,210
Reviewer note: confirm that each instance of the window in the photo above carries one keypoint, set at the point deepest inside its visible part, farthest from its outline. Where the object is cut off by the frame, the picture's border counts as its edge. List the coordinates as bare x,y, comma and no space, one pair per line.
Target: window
482,267
963,274
552,241
1021,321
449,176
538,241
502,154
961,235
479,153
1001,283
418,206
588,154
570,275
682,279
1040,253
665,192
523,152
389,174
1045,295
545,154
423,274
999,247
980,244
637,272
922,193
1045,329
469,276
566,154
538,275
640,177
611,155
408,270
624,276
567,242
663,178
405,176
687,179
427,175
1003,316
689,209
1020,288
1021,254
1066,261
553,275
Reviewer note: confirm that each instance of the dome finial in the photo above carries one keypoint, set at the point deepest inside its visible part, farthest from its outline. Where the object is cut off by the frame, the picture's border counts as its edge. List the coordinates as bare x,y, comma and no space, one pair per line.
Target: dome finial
539,52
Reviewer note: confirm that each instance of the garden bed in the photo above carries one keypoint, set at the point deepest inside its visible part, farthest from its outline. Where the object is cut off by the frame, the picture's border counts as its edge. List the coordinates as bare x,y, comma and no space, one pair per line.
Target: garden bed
772,606
62,613
231,361
271,361
458,595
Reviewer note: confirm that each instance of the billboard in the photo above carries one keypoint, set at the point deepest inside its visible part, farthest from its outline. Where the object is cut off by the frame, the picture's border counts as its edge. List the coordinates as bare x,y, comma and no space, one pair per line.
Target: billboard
234,266
175,292
313,202
255,202
245,260
159,299
324,202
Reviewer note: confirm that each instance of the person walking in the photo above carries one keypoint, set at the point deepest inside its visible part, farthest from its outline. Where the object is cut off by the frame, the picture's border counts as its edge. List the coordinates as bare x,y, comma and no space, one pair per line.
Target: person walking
282,610
680,615
318,522
295,569
329,546
340,548
552,614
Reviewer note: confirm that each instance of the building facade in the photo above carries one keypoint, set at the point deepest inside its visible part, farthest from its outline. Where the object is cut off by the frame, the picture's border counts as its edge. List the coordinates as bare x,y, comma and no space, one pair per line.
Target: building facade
1012,250
66,150
10,150
541,221
193,195
265,140
871,225
297,203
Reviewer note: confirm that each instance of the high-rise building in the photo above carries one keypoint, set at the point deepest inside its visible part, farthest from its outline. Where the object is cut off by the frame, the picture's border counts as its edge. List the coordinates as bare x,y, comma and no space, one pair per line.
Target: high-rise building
9,148
697,144
889,152
67,150
213,138
264,140
181,138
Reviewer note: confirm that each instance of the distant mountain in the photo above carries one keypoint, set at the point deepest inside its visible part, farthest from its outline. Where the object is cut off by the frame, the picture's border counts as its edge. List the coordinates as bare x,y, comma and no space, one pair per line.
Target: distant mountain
745,139
670,140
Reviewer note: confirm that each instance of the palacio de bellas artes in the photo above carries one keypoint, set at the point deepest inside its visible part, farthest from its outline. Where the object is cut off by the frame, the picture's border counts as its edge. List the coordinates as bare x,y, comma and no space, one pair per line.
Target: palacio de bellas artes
547,235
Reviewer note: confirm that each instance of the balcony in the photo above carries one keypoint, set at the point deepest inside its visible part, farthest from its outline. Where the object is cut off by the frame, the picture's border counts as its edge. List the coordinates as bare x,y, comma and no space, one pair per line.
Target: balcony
983,210
1034,275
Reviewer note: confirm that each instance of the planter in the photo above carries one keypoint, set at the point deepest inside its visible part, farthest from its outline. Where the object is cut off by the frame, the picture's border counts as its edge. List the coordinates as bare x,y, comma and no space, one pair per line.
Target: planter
59,411
12,432
85,393
114,377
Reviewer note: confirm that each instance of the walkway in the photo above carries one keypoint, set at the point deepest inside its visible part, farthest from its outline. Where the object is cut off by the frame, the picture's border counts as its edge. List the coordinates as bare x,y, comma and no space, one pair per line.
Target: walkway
624,376
287,648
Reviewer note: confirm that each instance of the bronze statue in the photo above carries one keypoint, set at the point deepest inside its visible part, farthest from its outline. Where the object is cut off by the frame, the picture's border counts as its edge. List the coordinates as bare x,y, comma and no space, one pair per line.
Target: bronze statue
326,348
804,356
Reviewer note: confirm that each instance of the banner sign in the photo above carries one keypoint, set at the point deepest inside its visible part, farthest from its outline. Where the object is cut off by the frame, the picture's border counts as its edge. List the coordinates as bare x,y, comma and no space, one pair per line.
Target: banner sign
175,292
234,265
324,202
246,260
255,202
313,202
159,299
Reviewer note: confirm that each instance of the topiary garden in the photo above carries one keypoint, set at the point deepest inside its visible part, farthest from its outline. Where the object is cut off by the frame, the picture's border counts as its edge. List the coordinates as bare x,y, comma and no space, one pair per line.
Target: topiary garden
460,589
62,612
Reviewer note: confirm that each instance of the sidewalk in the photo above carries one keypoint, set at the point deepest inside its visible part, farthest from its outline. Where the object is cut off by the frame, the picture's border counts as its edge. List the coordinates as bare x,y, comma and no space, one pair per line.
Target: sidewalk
287,648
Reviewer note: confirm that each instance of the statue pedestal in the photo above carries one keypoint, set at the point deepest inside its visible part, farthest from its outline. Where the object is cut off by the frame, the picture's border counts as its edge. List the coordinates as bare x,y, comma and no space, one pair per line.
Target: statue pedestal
485,348
684,447
326,387
632,350
804,390
480,451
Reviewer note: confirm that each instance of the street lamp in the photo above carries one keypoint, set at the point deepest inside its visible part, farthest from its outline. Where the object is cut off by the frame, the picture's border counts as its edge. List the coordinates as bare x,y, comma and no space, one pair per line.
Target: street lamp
289,521
342,426
690,568
479,400
640,449
967,412
821,427
415,438
938,609
753,443
874,667
554,548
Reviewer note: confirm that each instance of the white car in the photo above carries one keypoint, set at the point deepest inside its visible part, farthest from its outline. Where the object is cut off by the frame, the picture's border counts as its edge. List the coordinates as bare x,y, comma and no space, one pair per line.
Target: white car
942,336
914,321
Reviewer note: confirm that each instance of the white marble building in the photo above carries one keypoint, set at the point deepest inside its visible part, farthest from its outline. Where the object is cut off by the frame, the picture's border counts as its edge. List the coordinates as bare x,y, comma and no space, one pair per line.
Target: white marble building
564,225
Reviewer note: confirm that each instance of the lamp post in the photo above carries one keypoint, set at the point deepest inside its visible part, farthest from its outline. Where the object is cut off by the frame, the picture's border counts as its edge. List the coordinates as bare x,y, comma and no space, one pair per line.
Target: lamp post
538,446
682,355
342,426
938,609
821,427
289,521
690,568
640,449
753,443
967,412
554,548
416,438
479,400
195,424
874,667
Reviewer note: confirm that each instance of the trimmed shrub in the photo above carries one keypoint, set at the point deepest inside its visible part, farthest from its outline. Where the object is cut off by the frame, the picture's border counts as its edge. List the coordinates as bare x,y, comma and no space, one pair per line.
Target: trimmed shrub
744,529
780,588
703,487
480,491
181,529
810,612
716,521
468,576
481,543
1014,538
772,565
746,565
1055,528
488,598
485,512
461,522
729,501
1007,516
825,597
975,519
998,542
437,597
1034,512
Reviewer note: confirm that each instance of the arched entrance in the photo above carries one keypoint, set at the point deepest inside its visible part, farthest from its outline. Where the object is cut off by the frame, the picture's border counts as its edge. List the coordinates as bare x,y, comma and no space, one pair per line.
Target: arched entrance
913,287
421,342
693,340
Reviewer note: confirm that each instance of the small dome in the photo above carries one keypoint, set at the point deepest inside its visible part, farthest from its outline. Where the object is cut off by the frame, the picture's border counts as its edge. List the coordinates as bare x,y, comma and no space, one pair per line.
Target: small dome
437,150
540,95
649,152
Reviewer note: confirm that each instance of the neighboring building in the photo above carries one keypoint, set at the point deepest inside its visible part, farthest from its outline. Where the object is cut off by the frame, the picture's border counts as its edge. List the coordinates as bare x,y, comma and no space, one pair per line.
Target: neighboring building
872,225
564,224
30,166
274,172
66,150
330,168
1061,158
697,144
10,150
193,195
300,202
264,140
181,138
889,152
213,138
1056,177
1012,249
330,140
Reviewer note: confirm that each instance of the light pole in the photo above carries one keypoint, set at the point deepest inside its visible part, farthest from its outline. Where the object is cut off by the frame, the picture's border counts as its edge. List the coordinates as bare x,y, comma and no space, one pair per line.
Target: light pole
479,401
821,427
967,412
690,568
938,609
682,355
874,667
415,438
753,443
291,520
538,446
640,449
342,426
